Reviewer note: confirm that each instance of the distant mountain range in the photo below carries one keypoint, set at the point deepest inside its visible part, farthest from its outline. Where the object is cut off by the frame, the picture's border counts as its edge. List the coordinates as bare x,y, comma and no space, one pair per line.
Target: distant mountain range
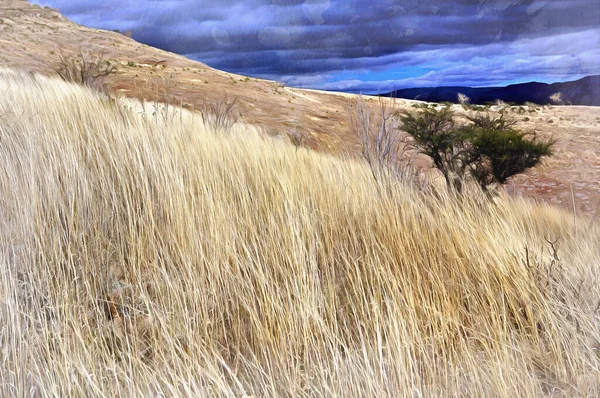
585,91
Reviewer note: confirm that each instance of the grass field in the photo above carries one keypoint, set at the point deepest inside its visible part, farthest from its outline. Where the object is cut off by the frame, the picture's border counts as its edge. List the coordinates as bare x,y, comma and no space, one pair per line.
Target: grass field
146,255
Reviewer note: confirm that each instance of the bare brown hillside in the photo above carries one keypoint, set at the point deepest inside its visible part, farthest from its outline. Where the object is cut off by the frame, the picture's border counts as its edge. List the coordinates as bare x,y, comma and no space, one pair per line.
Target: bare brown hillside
31,36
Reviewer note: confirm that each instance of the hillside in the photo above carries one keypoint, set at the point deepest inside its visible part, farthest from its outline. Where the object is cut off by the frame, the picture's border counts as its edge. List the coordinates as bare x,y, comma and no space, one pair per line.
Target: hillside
584,91
148,255
30,39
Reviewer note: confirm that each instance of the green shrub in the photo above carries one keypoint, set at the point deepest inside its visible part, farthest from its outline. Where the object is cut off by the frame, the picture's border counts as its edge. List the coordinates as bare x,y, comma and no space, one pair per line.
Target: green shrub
504,153
489,149
436,135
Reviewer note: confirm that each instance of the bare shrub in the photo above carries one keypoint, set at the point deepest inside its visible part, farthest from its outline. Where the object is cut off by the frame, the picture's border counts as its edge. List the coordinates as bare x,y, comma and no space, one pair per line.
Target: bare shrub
381,143
463,99
83,68
499,103
221,115
297,137
557,98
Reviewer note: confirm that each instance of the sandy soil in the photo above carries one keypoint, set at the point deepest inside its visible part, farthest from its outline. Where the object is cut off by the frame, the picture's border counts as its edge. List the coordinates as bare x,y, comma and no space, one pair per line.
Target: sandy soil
31,36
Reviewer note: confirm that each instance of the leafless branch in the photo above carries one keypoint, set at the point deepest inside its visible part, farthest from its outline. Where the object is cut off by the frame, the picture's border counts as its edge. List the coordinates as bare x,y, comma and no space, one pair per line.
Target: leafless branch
221,115
83,68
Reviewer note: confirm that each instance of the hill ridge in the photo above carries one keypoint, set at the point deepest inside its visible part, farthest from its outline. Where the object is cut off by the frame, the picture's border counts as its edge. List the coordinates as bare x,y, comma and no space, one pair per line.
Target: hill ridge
584,91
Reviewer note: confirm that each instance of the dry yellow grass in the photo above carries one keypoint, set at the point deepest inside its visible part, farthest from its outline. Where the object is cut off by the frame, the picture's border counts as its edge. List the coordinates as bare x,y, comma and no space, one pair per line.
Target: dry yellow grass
148,256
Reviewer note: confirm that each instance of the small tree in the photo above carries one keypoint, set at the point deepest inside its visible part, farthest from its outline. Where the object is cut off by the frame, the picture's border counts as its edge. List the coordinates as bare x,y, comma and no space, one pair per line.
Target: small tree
436,135
503,151
489,149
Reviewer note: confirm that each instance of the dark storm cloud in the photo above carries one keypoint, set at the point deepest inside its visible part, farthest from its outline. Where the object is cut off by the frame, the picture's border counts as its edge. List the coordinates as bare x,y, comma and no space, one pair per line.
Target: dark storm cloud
311,42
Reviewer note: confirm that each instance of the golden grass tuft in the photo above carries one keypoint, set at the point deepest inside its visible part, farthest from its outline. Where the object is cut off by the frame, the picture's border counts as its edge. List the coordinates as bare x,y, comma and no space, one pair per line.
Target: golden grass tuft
148,256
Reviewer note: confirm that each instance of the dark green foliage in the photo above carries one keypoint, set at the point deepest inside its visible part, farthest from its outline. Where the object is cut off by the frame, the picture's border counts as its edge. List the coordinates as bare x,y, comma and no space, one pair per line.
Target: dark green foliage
489,149
436,135
488,121
507,152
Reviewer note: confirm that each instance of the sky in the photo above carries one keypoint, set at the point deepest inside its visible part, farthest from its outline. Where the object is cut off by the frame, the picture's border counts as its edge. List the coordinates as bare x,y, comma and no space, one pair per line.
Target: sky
370,46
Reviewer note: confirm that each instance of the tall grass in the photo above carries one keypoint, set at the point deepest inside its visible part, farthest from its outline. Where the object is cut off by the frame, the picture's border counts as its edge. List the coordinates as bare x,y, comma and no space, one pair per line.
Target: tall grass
144,258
